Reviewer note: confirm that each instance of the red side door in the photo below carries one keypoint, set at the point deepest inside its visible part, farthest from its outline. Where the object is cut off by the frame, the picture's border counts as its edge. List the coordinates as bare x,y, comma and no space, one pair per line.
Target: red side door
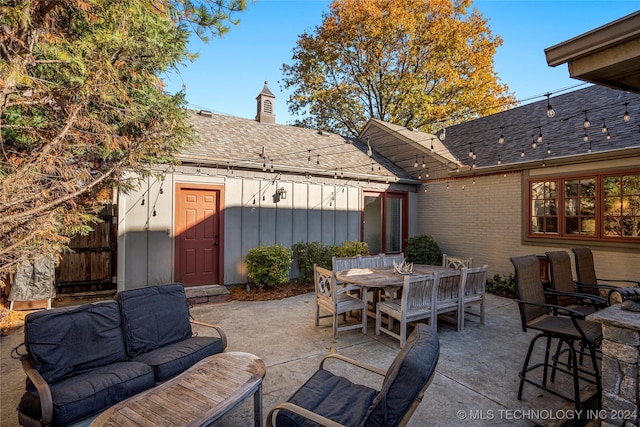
198,239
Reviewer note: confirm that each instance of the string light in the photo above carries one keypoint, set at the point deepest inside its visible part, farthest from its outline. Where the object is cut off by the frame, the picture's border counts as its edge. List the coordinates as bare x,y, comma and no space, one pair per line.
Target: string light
501,139
309,157
586,123
604,126
533,142
443,134
470,151
369,150
499,160
423,164
415,165
548,148
626,116
588,151
585,137
539,140
522,152
427,174
550,111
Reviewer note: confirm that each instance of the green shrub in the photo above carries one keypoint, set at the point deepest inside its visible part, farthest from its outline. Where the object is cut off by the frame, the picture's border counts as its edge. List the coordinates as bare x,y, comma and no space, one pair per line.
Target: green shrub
504,286
423,249
352,248
269,265
308,254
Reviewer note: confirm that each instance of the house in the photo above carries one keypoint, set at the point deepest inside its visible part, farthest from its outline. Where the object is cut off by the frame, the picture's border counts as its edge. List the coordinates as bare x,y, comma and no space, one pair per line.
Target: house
252,182
549,175
521,182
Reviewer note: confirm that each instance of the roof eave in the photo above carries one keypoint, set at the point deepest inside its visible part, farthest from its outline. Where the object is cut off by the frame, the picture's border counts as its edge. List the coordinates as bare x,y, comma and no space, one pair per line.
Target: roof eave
597,40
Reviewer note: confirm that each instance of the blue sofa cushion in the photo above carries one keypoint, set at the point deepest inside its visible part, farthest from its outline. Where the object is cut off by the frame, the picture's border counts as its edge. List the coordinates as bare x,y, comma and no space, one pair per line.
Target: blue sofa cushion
153,317
331,396
91,392
410,372
175,358
65,341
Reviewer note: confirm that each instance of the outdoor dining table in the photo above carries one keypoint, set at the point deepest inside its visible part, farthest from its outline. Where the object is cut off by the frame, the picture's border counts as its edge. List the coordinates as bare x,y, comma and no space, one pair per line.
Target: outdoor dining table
383,278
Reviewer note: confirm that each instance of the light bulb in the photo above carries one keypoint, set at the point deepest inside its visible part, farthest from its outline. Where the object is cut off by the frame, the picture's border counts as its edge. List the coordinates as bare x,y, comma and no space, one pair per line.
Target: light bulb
550,110
585,137
604,126
626,116
501,139
443,134
415,165
586,123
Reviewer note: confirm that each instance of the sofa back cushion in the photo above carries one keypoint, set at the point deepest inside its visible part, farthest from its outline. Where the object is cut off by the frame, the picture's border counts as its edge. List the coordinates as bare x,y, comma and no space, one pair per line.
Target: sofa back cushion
65,341
153,317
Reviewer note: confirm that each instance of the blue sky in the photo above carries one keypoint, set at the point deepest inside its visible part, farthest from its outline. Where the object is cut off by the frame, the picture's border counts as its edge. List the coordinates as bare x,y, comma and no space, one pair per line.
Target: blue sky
231,71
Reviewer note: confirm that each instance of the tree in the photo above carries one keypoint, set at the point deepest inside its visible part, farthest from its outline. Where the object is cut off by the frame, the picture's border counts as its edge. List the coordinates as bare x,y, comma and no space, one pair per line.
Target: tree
414,63
82,105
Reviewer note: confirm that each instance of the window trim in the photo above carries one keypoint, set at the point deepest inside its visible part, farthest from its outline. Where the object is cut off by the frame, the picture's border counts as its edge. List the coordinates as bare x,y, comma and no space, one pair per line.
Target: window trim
599,204
384,194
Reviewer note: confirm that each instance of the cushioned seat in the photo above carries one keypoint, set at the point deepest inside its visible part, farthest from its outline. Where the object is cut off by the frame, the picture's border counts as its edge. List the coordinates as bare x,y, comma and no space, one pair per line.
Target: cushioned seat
157,330
177,357
331,396
84,395
79,351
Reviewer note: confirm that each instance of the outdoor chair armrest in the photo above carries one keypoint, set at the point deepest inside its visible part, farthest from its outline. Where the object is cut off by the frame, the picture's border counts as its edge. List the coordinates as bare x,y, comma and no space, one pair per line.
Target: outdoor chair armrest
291,407
573,314
348,288
216,327
46,402
594,300
554,307
354,363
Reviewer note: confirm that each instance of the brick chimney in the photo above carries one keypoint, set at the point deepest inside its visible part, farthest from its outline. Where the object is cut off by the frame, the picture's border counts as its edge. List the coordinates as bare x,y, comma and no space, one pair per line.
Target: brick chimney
265,106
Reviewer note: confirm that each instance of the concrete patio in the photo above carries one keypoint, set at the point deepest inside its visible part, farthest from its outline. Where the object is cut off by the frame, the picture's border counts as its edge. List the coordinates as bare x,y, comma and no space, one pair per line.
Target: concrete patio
476,380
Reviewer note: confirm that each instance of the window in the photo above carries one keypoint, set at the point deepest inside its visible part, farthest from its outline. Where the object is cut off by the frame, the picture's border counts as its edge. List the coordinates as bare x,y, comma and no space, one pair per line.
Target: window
603,206
384,221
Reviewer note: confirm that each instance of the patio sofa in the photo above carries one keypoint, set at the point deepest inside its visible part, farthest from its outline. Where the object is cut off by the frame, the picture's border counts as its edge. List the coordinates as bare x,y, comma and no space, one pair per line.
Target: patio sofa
81,360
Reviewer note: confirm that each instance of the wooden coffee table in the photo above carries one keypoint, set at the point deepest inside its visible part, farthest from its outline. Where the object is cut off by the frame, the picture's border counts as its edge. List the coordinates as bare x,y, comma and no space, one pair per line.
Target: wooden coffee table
199,396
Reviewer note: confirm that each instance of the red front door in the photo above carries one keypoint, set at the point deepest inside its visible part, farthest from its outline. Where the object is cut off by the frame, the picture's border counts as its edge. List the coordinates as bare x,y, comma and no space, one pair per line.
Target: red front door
198,239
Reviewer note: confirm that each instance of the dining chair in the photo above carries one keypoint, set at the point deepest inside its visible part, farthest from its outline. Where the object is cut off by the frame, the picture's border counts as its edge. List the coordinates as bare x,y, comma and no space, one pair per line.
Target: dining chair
588,282
570,329
456,261
448,297
389,259
370,261
337,300
474,283
563,290
416,302
328,399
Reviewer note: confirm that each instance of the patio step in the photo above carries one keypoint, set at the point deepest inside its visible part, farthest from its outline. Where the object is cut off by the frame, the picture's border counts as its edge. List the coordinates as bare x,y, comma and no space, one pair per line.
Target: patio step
206,294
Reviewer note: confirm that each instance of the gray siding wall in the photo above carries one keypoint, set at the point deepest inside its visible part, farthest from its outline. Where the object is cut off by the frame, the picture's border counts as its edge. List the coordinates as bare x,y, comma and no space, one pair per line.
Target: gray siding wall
317,210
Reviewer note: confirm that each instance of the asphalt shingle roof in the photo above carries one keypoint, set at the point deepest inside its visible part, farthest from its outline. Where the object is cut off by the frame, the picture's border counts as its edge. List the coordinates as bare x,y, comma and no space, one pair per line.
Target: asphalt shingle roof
240,143
562,135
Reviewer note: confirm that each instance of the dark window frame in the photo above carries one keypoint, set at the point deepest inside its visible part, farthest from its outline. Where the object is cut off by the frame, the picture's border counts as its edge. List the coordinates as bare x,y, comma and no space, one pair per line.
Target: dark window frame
578,211
384,196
